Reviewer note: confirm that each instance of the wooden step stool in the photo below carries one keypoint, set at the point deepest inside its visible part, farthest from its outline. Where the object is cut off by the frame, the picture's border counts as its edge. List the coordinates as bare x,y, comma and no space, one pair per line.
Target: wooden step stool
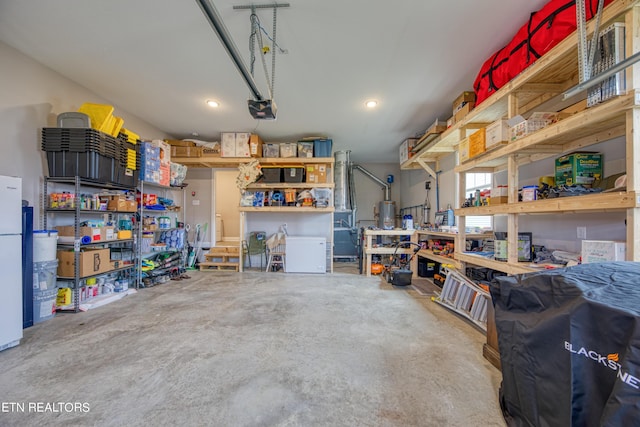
220,258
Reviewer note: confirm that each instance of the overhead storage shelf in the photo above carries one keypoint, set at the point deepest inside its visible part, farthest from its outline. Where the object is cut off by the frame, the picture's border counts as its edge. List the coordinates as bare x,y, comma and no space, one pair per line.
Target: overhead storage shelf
233,162
549,76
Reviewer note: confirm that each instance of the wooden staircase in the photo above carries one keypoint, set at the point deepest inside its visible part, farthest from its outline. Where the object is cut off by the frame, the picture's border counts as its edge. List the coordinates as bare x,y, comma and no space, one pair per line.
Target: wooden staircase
222,258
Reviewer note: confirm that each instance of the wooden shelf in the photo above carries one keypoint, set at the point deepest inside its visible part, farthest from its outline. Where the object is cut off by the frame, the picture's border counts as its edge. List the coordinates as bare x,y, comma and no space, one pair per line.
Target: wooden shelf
452,236
595,124
425,253
388,251
505,267
284,185
588,203
233,162
294,209
549,76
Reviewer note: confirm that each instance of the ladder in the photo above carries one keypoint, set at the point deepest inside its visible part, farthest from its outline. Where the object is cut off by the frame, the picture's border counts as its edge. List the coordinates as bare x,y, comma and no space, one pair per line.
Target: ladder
464,297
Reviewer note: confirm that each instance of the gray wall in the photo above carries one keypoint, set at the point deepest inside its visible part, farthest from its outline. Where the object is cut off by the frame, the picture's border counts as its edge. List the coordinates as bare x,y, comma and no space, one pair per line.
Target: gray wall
32,97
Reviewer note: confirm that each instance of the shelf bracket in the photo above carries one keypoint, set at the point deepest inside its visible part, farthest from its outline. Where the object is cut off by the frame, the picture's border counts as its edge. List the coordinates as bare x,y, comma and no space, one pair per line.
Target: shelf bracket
426,167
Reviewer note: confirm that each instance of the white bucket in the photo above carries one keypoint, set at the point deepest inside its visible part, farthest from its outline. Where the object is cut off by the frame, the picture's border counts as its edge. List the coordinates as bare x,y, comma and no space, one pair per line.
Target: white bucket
44,245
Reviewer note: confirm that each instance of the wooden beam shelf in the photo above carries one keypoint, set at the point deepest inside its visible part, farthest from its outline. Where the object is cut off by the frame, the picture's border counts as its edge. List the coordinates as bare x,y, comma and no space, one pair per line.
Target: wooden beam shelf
588,203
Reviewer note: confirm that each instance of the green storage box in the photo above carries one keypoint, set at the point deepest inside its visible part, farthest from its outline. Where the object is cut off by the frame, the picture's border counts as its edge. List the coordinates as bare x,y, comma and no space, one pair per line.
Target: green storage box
579,169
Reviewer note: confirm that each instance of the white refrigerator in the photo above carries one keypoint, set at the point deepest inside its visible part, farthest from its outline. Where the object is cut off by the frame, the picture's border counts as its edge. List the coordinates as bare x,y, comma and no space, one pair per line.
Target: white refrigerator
11,262
306,254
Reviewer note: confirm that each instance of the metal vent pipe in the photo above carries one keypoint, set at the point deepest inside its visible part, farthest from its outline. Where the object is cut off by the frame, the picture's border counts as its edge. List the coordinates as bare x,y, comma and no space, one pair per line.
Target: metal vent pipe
386,185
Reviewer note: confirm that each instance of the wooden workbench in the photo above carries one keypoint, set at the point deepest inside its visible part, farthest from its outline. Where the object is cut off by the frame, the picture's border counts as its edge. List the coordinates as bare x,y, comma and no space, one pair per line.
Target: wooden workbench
370,250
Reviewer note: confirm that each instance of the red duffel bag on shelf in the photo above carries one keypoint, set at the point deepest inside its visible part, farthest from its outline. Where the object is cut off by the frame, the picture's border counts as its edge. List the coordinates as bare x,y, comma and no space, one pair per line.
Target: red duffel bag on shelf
545,29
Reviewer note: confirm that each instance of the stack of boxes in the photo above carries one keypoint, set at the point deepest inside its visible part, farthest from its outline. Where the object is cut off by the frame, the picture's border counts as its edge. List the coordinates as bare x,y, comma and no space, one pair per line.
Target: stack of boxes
462,105
150,162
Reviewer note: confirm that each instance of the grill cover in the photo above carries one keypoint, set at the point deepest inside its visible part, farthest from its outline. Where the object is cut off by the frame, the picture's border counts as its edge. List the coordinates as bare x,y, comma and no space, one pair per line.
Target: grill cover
569,344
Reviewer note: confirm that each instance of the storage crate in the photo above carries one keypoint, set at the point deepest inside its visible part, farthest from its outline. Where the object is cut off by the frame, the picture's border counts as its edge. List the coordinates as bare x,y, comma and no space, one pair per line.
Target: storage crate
293,174
322,147
305,149
270,149
88,165
288,149
271,174
101,116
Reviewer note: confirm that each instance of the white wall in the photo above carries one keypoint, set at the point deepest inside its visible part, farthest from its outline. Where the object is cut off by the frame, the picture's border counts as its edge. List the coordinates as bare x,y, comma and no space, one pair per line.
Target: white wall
199,202
560,231
414,192
32,96
369,193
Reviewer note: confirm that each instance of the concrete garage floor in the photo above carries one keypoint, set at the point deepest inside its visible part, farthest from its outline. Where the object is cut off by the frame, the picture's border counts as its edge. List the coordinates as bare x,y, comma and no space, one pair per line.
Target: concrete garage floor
254,349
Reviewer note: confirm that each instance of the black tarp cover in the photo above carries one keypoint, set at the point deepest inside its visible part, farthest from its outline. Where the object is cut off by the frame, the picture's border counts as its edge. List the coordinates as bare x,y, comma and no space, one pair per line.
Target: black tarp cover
569,344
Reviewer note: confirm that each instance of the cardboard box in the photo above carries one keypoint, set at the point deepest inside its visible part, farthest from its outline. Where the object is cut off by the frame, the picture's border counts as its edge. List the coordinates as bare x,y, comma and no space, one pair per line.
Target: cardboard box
500,200
97,234
462,112
603,251
405,152
288,149
463,150
228,144
451,121
438,126
497,133
255,146
121,203
500,191
462,99
179,143
316,173
578,169
477,143
212,150
92,261
242,144
180,151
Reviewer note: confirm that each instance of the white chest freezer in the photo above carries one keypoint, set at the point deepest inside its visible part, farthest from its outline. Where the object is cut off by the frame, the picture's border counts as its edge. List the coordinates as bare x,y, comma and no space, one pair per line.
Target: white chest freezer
306,254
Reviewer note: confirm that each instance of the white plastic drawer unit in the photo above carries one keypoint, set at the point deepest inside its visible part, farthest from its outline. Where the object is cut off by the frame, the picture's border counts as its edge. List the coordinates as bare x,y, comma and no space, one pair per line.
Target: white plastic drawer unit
306,254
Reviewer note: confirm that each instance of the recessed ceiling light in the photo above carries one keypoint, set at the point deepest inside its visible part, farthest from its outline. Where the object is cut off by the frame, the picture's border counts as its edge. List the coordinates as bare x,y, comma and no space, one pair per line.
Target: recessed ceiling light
213,104
371,103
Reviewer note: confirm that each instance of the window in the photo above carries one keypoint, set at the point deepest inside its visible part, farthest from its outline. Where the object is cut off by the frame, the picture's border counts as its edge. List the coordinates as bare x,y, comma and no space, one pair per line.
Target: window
478,181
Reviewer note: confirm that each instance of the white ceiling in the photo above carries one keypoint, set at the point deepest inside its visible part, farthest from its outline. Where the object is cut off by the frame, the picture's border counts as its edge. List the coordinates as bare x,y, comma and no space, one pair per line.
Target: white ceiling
161,60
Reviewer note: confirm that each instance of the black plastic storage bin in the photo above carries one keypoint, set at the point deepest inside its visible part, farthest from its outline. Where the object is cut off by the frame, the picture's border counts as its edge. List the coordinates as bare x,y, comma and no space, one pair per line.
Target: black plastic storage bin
271,174
88,165
293,174
427,267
